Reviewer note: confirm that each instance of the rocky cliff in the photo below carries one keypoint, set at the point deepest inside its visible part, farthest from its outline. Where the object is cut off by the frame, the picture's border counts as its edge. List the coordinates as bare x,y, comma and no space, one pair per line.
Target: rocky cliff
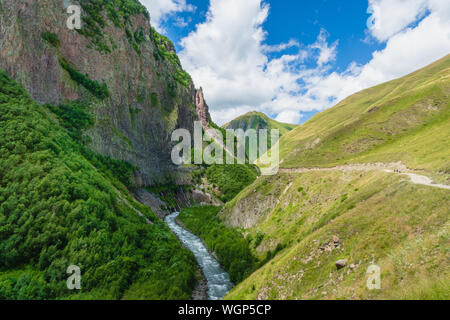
202,108
128,73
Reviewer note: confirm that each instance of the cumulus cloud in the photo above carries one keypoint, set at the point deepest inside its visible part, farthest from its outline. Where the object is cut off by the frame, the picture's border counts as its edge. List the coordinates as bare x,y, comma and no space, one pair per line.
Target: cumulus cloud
228,57
406,51
326,53
289,116
160,10
391,16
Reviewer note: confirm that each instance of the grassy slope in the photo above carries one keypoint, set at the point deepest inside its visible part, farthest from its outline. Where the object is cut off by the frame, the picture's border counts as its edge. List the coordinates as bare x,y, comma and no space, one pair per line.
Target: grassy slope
401,120
378,220
58,208
379,217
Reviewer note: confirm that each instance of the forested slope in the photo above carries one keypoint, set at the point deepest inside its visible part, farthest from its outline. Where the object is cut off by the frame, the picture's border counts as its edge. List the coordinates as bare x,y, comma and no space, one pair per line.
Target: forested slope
62,205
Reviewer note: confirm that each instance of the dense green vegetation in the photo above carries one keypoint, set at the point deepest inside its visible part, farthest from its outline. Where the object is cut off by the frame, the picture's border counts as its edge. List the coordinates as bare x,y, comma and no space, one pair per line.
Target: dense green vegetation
73,116
58,208
229,245
117,11
231,179
93,86
51,38
166,50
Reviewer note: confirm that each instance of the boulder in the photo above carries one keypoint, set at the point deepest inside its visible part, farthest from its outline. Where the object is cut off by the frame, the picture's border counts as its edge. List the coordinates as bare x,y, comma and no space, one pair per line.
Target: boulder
341,264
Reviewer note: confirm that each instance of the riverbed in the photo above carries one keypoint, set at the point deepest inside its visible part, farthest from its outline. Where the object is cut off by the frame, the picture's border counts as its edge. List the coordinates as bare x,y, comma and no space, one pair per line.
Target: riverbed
218,280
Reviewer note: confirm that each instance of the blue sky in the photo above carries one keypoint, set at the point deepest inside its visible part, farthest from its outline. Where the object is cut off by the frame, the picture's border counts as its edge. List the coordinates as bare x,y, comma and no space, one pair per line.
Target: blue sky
294,58
345,21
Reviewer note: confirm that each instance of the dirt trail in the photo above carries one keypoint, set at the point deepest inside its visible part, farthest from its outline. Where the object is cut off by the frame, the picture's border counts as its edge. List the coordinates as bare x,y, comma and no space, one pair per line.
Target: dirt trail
396,168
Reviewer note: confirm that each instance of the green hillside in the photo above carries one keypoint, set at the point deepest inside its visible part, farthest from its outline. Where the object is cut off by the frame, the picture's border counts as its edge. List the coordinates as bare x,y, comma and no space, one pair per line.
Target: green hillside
304,221
378,218
258,120
62,205
402,120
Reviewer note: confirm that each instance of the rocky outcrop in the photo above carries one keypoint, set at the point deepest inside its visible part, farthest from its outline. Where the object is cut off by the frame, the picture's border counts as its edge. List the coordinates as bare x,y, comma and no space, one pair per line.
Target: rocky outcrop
202,108
148,94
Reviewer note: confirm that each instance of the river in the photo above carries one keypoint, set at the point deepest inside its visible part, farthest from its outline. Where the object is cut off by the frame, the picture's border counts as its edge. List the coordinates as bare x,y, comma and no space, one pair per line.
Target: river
219,282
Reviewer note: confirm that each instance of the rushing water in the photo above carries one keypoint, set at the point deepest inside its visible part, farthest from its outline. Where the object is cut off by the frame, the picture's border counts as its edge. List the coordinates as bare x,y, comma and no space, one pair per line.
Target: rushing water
219,282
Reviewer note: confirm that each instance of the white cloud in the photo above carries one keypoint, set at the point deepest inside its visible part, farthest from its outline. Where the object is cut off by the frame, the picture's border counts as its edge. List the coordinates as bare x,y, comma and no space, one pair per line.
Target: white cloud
326,53
405,52
391,16
227,56
289,116
162,9
281,47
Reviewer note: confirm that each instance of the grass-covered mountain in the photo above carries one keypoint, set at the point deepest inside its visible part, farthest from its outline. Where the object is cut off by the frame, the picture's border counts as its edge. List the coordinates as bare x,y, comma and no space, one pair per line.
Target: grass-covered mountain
365,215
62,204
402,120
258,120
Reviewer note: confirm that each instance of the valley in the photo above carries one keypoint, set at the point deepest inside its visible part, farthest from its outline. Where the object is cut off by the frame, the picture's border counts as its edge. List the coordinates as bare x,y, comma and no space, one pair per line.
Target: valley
87,176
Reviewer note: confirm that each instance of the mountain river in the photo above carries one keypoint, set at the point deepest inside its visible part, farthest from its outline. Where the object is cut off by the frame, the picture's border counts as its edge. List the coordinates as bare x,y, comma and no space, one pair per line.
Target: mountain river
219,282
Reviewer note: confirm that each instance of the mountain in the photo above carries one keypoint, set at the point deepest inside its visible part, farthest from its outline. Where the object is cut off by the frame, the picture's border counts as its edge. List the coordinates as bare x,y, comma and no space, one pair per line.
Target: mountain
258,120
86,116
62,204
117,63
354,191
401,120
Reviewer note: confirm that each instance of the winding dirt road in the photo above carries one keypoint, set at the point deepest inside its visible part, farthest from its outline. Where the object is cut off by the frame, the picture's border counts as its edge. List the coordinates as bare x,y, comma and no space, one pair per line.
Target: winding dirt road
395,168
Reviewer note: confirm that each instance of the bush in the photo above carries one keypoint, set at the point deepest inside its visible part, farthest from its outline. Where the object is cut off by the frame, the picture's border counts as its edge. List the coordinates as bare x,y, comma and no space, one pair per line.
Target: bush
117,11
231,179
93,86
51,38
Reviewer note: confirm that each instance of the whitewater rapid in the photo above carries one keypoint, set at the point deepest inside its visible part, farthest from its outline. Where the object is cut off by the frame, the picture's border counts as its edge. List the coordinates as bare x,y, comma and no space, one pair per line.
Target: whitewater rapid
219,282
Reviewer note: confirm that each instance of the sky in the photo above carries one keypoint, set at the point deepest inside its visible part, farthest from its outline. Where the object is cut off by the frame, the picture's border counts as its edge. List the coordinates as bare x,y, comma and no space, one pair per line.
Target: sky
293,58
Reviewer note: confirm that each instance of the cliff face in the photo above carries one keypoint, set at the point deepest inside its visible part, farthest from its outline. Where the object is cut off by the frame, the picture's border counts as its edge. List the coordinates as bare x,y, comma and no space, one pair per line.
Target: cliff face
129,74
202,108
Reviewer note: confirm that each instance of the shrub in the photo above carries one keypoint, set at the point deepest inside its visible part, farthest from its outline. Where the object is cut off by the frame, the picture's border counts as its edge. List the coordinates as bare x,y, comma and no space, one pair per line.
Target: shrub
51,38
231,179
93,86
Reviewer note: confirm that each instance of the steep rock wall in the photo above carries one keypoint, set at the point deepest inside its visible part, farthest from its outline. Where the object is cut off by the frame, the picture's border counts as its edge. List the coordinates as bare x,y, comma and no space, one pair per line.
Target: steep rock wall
149,93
